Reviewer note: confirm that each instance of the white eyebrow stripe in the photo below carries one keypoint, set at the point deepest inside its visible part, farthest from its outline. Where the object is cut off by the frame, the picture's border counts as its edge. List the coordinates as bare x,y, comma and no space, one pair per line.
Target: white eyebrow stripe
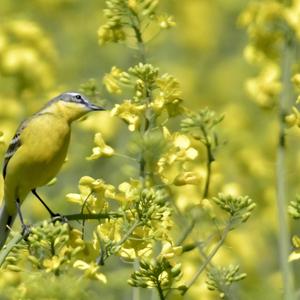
72,94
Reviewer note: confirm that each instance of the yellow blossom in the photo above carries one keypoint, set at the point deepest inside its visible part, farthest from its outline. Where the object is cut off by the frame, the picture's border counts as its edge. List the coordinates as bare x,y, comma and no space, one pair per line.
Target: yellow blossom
169,251
166,21
168,96
93,194
187,178
131,113
293,119
296,80
180,150
295,255
91,270
264,88
110,81
292,16
110,230
108,34
101,149
53,263
129,190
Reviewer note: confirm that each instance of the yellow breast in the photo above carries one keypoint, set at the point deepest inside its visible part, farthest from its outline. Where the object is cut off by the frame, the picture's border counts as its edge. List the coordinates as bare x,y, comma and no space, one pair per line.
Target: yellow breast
44,145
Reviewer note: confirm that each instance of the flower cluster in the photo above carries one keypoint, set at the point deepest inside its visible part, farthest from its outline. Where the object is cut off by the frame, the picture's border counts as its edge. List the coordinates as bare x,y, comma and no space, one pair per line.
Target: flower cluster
239,207
270,26
154,94
23,44
51,246
125,17
201,126
294,208
179,149
220,279
157,273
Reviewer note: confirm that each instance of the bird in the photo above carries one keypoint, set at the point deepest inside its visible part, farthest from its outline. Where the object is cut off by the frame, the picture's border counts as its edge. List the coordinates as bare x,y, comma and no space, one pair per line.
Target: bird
37,152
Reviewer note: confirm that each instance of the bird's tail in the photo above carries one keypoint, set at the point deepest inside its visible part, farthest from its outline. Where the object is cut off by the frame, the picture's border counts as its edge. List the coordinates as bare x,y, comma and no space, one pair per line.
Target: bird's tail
6,221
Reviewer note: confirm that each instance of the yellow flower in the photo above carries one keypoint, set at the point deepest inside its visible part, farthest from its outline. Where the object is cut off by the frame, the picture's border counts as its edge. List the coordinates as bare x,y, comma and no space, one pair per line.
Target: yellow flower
112,80
76,238
295,255
180,150
108,231
168,97
166,21
264,88
169,251
296,80
187,178
107,33
130,113
292,16
102,149
132,4
293,119
91,270
129,190
53,263
138,245
93,192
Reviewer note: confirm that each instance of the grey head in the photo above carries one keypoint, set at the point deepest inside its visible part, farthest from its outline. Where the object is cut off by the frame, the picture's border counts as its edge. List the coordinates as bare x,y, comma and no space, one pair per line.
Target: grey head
74,97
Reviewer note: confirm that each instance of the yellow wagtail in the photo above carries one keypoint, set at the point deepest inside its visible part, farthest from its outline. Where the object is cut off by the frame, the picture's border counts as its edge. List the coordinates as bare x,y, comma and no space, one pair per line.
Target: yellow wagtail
37,152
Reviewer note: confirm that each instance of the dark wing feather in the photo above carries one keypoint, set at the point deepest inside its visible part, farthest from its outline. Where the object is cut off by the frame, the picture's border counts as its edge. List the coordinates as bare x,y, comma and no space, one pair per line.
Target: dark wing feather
14,144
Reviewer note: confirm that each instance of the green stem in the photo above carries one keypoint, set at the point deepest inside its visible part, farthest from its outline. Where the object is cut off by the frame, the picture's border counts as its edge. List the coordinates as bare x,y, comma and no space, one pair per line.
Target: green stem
284,234
136,26
208,171
103,257
10,245
107,215
160,292
209,257
186,233
209,161
129,232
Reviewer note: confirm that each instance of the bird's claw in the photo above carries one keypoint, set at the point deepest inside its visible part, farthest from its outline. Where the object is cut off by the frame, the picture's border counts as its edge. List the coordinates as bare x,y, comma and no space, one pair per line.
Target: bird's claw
26,230
59,217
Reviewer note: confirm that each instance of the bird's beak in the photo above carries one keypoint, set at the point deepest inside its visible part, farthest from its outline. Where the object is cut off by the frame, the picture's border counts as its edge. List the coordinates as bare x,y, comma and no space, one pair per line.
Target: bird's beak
95,107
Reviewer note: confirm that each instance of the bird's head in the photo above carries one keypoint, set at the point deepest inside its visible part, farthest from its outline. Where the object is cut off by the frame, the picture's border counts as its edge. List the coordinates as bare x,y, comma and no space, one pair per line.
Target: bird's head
71,105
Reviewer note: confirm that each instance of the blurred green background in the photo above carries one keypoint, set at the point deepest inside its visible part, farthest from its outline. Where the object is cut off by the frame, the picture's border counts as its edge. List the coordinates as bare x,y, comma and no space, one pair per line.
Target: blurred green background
55,49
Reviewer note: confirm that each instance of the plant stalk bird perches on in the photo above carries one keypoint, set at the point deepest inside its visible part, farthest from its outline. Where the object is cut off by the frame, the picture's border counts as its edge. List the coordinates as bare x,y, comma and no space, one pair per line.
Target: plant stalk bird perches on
37,152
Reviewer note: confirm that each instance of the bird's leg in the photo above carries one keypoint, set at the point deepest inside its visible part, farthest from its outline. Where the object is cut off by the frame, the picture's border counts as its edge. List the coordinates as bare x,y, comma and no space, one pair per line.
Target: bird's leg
25,228
54,216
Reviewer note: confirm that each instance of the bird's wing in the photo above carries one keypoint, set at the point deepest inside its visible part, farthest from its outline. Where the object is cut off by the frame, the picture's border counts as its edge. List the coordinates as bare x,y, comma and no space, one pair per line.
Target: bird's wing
14,145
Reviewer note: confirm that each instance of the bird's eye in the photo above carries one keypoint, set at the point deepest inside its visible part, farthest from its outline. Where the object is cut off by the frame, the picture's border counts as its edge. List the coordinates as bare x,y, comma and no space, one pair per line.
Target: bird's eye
78,97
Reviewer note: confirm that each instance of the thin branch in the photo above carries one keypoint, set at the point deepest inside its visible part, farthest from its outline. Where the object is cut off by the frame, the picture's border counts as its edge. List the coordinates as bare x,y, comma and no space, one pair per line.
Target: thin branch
283,239
129,232
186,233
107,215
9,246
103,257
160,291
209,160
209,257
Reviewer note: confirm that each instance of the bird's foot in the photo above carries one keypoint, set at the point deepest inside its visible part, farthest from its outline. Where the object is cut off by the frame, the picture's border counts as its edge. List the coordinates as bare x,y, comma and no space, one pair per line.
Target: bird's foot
59,218
26,230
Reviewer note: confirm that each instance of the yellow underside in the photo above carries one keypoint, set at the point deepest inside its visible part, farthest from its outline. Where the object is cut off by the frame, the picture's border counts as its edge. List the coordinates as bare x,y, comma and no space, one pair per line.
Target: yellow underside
44,147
